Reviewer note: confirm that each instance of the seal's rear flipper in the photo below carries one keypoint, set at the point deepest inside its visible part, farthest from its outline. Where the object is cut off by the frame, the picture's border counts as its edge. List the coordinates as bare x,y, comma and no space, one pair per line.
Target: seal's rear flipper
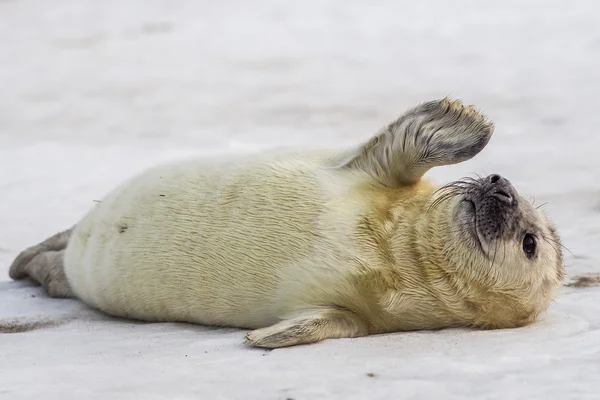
435,133
44,264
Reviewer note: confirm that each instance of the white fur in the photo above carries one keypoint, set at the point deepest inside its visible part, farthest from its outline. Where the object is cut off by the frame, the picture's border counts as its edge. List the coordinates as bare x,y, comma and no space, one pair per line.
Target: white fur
217,241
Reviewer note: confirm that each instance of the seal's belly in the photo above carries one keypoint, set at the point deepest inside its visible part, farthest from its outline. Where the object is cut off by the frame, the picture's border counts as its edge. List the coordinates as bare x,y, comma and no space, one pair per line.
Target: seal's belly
194,242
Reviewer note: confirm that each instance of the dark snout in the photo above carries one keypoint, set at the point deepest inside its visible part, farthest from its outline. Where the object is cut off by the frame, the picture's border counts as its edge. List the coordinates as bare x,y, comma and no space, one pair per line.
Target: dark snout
500,188
494,207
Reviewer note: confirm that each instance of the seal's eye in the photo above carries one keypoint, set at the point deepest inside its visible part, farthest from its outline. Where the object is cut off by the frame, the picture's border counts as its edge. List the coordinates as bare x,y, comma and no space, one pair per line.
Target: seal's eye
529,245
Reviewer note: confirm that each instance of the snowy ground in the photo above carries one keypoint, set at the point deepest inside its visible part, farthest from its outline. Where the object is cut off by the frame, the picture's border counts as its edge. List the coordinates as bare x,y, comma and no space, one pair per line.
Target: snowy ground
93,91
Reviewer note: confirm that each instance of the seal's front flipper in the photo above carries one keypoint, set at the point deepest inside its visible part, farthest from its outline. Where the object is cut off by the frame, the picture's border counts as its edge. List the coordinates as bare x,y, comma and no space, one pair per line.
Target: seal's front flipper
436,133
311,327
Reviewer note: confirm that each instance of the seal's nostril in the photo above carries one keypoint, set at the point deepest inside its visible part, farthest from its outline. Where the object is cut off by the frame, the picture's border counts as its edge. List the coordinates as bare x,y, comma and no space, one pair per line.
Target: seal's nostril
494,178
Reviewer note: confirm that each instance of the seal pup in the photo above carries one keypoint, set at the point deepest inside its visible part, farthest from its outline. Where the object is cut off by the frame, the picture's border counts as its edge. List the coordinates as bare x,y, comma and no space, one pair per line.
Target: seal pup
303,245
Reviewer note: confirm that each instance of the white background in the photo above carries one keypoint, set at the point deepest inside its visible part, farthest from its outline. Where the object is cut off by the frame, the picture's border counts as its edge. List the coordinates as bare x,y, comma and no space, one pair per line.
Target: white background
93,91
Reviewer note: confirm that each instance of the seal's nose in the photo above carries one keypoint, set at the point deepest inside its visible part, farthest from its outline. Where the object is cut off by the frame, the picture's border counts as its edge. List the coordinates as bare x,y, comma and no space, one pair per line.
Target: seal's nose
494,178
501,188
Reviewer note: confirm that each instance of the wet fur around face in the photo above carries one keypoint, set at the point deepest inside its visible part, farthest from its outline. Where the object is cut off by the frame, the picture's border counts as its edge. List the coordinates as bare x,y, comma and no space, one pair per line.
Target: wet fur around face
304,245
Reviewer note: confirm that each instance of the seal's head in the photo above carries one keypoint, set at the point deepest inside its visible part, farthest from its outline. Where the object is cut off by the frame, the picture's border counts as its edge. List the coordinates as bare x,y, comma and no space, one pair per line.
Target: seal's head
506,251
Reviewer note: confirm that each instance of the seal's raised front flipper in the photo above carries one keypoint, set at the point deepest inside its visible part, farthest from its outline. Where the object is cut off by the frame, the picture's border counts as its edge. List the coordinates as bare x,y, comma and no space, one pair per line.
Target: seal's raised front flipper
435,133
44,264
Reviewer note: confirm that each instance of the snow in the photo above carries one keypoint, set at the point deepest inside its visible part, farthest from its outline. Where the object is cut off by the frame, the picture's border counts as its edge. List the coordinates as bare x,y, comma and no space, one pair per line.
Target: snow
93,91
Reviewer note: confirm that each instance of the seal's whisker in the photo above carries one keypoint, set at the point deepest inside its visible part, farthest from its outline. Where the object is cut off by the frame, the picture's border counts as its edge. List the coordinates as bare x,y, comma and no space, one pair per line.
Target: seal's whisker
503,247
470,180
450,190
477,175
458,183
503,253
504,225
442,198
495,251
550,244
548,240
